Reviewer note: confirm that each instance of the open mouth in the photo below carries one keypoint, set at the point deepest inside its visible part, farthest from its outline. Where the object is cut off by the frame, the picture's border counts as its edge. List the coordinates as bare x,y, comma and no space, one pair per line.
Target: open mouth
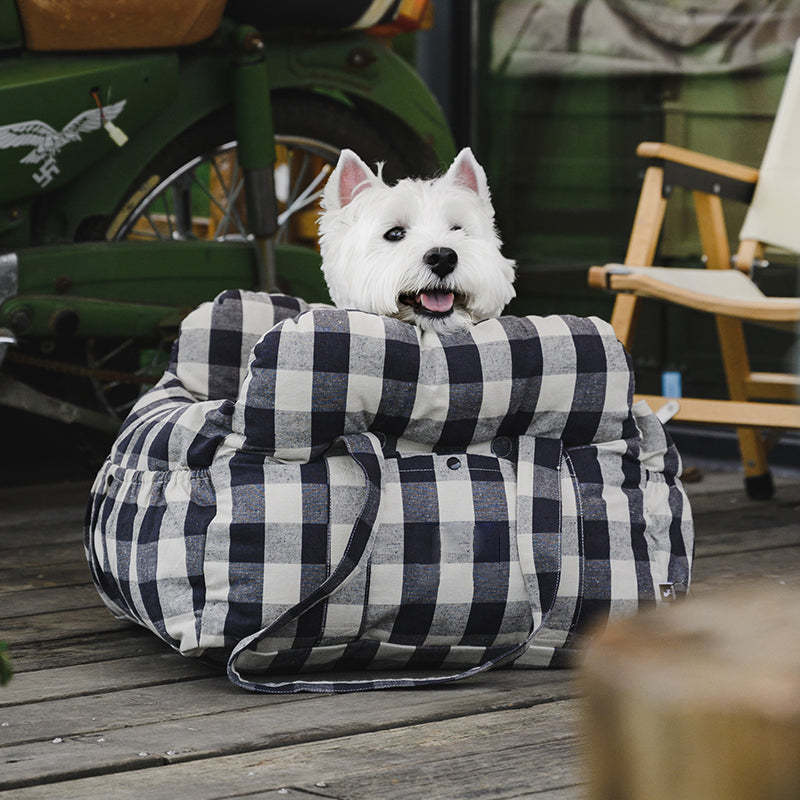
431,302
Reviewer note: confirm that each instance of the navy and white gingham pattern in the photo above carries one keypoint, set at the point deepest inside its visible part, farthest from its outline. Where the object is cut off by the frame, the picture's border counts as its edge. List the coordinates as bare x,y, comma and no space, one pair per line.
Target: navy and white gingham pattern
314,489
333,372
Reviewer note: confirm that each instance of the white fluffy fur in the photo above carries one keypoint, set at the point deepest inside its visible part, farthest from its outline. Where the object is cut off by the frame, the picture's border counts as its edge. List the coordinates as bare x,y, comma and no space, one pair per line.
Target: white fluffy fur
365,271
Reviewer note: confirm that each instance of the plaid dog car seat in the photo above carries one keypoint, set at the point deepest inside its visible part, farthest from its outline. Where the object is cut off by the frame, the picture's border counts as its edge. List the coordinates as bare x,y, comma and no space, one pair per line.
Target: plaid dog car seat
346,492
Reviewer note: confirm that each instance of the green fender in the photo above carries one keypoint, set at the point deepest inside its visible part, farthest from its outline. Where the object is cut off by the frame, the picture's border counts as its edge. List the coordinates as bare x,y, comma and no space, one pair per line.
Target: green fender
349,68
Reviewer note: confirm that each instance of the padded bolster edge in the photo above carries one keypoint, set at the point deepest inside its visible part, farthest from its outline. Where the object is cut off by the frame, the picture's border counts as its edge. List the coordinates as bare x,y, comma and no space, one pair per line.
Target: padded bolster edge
216,339
333,372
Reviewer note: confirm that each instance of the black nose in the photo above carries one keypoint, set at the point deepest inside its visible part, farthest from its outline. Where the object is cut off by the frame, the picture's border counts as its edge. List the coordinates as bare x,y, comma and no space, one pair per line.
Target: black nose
441,260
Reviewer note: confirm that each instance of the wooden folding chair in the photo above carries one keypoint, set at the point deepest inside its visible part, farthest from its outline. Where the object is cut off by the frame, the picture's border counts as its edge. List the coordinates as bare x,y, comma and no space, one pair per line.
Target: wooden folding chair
724,287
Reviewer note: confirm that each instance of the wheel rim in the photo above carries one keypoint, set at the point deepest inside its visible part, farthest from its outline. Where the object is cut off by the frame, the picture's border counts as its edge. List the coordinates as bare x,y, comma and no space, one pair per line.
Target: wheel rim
212,183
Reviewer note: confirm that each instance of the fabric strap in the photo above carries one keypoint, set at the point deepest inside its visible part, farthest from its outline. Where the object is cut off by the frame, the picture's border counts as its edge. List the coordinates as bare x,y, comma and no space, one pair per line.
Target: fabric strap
538,463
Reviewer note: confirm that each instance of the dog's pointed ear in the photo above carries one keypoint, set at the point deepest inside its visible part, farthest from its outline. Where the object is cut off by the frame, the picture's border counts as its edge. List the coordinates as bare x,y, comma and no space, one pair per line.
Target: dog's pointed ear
467,172
350,177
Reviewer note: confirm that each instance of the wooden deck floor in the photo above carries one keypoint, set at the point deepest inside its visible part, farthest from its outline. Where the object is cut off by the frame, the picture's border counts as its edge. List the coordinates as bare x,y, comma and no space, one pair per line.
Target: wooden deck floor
100,709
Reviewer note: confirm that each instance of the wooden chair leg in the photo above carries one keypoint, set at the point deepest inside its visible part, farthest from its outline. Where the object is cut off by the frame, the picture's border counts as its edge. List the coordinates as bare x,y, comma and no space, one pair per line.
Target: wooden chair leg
714,237
641,249
757,477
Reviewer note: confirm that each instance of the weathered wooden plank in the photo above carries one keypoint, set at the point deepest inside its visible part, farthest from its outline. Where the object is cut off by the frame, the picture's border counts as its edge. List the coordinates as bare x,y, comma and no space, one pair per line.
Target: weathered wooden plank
212,696
57,553
46,515
713,501
106,676
571,792
732,571
749,517
484,752
36,495
132,641
717,482
508,764
15,579
745,541
209,717
39,601
68,528
99,714
44,628
284,793
13,522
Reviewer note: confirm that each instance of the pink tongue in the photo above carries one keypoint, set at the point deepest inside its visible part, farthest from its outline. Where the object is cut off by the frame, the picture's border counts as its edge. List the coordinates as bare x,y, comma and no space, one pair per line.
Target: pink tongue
438,301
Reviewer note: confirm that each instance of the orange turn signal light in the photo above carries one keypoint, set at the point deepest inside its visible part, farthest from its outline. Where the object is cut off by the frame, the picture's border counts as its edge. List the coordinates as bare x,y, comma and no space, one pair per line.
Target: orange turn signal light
412,15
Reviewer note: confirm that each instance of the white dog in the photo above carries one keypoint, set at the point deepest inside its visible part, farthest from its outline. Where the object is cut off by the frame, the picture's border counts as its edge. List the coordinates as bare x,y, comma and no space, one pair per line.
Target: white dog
426,252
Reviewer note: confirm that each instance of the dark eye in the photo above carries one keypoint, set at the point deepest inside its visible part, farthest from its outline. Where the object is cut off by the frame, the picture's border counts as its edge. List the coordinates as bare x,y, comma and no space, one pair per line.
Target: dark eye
395,234
455,227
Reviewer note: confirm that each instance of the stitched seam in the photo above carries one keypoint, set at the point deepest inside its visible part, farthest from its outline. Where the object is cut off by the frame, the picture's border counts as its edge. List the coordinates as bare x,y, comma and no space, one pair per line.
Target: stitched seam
581,545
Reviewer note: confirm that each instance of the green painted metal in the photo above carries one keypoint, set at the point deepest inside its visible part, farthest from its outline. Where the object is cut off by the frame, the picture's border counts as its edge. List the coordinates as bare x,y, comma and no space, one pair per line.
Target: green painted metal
389,82
15,224
82,317
254,128
10,27
145,272
136,271
204,81
133,288
124,288
300,273
54,91
203,88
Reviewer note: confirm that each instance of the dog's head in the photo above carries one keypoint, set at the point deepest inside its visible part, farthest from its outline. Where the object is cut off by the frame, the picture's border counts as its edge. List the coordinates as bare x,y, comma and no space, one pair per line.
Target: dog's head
426,252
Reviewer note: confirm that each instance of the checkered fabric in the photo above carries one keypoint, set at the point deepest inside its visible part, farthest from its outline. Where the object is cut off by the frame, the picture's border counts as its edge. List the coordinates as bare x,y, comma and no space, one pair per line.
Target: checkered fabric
310,492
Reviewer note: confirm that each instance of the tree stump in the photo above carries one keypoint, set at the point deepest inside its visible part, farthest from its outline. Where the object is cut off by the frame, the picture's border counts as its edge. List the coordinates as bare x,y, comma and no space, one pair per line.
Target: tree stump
698,700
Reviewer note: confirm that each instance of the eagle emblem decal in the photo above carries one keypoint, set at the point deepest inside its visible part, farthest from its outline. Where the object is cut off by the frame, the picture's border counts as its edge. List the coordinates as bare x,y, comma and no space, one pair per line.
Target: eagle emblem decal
46,142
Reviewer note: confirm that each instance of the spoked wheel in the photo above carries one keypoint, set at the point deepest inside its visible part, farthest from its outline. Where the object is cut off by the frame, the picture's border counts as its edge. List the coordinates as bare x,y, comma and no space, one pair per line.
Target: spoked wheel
120,372
194,190
204,198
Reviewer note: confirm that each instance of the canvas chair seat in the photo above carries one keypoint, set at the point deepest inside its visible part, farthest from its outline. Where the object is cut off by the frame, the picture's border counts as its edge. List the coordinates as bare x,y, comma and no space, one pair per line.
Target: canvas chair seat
727,292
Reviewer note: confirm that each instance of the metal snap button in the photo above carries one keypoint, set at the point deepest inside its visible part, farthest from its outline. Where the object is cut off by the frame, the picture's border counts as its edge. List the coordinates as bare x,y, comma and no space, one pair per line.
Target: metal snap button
502,446
454,463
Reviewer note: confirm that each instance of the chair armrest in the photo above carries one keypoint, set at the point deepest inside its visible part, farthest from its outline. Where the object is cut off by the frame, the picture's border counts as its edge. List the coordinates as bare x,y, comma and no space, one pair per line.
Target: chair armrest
598,278
726,292
700,173
689,158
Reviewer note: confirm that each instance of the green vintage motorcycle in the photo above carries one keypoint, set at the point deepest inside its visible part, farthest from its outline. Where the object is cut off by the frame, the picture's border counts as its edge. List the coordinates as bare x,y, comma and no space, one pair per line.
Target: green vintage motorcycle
154,154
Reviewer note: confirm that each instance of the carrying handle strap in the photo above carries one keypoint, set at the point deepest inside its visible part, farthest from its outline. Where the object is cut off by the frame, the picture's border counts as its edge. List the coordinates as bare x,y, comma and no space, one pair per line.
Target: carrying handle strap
368,455
366,450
